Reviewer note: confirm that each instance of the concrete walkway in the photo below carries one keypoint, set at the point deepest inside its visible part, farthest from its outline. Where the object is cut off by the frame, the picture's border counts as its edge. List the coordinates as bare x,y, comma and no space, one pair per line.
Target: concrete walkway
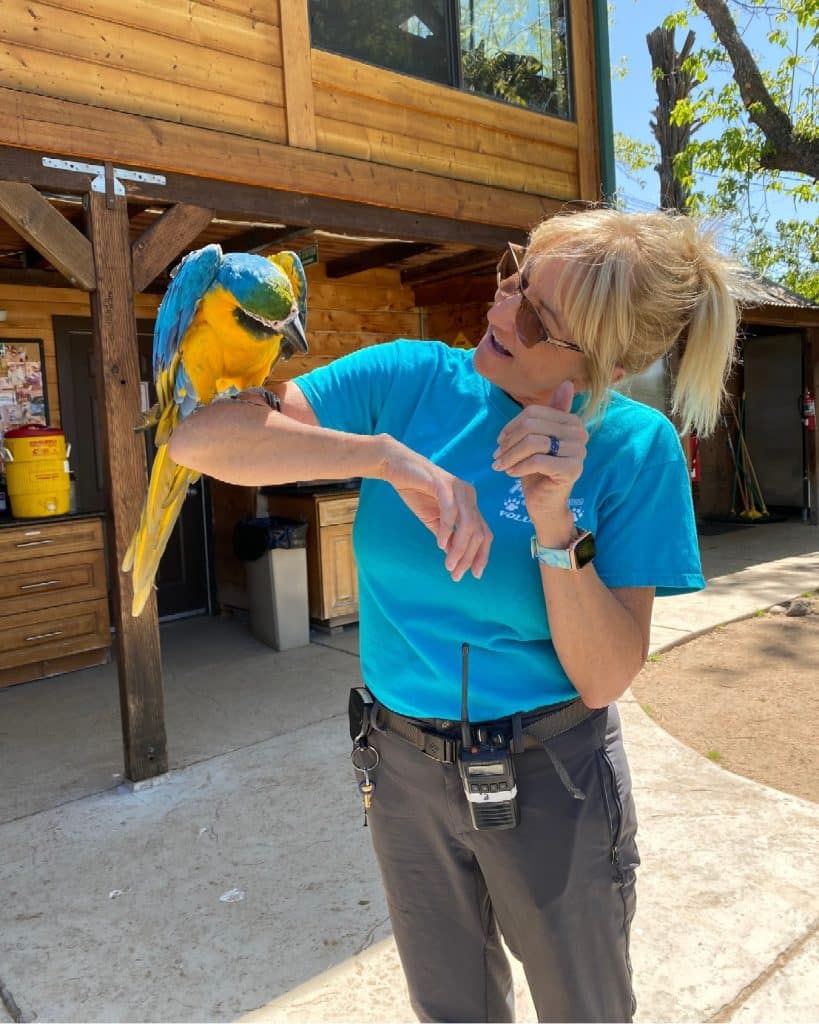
242,885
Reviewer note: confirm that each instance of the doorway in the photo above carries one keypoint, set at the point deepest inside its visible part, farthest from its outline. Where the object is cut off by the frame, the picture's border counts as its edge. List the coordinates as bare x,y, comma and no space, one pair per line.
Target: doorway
773,368
184,579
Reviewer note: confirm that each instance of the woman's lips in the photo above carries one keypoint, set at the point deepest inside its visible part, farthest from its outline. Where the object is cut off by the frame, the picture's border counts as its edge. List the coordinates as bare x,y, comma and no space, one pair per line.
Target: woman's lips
496,346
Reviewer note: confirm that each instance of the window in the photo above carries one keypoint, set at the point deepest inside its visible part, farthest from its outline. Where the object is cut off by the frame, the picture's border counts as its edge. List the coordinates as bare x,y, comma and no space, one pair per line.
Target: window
511,50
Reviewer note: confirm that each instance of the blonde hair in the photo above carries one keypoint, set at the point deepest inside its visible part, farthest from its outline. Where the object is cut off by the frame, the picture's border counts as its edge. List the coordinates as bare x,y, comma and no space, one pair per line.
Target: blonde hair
647,281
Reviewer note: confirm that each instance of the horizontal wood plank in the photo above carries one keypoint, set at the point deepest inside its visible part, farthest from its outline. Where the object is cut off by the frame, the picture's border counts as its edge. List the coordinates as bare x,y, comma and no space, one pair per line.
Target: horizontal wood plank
200,24
372,112
36,122
355,77
128,48
446,162
100,86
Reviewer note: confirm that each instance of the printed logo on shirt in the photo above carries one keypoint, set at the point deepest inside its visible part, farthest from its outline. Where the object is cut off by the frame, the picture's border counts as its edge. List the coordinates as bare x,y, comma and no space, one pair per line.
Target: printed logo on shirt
514,506
576,508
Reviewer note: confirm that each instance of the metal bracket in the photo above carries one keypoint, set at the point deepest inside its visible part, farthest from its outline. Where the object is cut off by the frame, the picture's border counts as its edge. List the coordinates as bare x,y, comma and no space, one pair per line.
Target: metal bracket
98,171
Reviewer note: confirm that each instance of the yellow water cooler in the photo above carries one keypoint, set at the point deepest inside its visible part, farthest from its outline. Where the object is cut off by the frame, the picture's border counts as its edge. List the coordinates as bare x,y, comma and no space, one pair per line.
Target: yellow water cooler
37,472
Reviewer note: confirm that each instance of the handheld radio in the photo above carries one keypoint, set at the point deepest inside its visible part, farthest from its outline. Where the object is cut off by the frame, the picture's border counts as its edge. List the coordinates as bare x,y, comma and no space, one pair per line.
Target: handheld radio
487,769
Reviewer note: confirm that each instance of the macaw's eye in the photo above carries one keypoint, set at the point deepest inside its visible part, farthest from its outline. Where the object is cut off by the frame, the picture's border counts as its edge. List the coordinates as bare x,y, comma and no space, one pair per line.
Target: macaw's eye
254,326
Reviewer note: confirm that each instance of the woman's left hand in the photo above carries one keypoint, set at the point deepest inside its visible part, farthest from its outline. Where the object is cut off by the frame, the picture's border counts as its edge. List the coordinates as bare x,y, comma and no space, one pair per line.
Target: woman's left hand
526,449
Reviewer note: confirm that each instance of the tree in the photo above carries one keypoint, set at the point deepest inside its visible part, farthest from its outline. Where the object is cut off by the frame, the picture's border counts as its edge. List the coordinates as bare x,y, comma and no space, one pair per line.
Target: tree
760,133
674,84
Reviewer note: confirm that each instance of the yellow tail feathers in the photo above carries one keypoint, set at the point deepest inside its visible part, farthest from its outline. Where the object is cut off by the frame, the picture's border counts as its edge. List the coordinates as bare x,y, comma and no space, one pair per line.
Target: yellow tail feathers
167,490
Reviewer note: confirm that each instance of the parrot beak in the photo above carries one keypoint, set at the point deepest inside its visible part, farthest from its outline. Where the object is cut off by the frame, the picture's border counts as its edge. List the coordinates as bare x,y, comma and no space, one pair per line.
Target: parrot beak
293,338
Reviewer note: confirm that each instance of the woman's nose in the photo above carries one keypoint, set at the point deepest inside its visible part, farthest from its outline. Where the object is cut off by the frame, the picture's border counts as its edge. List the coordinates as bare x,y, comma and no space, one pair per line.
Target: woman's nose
503,310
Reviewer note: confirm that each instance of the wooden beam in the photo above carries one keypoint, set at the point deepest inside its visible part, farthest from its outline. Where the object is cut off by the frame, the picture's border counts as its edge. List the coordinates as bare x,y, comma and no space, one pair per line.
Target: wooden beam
164,240
378,256
252,202
450,266
298,74
115,341
258,239
48,231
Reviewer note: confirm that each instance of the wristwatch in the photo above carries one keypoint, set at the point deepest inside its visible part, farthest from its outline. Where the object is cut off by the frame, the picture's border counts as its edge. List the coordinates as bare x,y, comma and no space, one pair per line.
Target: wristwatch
579,553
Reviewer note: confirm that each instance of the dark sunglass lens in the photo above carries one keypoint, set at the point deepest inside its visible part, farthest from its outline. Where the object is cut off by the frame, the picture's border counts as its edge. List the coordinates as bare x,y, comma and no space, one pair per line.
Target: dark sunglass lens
527,324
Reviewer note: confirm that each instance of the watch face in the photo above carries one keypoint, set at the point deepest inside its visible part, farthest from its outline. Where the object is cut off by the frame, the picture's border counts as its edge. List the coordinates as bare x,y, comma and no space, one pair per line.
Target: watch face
584,550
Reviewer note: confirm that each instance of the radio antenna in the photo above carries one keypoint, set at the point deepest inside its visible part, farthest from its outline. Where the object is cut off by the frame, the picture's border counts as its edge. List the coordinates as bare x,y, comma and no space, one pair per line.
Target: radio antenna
466,737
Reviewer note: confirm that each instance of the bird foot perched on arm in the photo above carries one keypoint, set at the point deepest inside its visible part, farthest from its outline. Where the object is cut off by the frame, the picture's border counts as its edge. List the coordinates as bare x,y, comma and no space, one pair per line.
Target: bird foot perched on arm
253,396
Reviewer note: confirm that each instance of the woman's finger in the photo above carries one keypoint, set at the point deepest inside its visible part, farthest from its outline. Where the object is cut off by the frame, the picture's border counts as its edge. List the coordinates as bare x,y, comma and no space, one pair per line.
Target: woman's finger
538,444
467,559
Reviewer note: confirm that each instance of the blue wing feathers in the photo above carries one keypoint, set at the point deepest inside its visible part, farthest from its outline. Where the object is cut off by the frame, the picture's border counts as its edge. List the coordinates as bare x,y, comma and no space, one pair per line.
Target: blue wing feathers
189,282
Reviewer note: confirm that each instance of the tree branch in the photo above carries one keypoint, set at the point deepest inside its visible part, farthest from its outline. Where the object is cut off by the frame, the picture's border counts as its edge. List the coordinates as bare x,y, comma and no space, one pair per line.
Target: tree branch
787,150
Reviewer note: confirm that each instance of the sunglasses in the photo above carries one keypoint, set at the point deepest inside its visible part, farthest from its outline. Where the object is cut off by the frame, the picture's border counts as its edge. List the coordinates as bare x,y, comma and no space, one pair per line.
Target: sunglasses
529,326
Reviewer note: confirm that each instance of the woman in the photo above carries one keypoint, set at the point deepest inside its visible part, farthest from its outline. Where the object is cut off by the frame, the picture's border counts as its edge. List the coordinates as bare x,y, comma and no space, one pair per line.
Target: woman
516,519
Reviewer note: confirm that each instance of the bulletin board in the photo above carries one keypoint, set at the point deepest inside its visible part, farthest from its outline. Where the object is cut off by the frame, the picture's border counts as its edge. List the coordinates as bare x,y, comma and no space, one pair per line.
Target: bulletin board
22,383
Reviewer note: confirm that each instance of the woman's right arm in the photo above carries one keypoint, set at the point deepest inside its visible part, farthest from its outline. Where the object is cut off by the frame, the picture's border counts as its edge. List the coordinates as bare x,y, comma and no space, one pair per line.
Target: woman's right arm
247,443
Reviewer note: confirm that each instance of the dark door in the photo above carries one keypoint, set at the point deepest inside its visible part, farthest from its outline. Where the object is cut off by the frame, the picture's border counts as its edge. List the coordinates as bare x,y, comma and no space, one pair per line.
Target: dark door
183,579
773,424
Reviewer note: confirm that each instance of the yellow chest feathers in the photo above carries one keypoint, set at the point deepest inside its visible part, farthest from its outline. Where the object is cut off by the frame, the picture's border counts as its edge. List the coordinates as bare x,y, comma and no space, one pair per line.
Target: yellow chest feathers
219,354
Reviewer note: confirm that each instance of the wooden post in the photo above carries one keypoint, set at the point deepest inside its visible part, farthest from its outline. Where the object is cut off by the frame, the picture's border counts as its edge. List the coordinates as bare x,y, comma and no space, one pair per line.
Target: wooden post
115,341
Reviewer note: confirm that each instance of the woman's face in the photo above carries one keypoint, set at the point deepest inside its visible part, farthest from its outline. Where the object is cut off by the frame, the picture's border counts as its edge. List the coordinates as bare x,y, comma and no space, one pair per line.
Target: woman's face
530,375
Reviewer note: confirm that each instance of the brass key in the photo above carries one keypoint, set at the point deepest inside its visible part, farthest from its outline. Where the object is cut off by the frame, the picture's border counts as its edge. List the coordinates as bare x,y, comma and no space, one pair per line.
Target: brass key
366,788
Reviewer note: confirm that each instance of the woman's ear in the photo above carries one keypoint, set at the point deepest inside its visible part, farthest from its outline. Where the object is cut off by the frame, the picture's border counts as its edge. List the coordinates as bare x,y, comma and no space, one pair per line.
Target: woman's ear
618,374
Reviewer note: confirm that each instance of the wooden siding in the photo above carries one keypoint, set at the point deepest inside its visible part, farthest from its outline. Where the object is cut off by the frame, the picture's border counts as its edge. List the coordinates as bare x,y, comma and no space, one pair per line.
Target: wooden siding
210,65
232,90
377,115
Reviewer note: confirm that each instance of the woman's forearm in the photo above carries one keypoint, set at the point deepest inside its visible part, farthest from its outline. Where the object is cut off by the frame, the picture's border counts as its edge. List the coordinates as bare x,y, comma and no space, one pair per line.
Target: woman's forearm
601,642
250,445
597,639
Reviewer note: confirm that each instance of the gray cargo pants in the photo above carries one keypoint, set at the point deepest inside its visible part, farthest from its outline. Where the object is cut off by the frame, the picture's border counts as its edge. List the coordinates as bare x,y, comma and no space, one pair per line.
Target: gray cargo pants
559,887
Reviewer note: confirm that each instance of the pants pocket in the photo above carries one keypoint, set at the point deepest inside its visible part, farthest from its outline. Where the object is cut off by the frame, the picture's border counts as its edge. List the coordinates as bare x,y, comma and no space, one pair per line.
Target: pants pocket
621,818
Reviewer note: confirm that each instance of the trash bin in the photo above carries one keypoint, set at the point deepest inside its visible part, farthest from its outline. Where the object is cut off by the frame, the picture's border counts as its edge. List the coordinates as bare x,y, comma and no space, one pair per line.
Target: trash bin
274,552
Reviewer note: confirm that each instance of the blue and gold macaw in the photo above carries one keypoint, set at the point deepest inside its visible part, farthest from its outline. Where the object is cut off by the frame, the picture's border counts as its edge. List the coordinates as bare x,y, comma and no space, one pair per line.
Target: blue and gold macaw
222,325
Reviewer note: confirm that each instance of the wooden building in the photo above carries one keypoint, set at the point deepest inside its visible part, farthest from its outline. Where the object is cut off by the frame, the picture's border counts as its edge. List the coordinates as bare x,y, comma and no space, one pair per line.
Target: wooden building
395,145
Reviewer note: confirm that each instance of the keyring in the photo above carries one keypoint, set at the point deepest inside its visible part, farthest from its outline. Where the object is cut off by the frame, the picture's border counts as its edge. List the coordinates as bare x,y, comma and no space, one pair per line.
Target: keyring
359,750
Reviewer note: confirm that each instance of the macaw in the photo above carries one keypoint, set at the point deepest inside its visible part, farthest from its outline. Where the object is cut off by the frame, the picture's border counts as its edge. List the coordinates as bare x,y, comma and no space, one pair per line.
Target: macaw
222,325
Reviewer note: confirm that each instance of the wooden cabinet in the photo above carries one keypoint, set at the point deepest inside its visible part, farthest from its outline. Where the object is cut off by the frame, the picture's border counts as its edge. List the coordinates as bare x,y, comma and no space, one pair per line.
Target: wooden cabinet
332,580
53,599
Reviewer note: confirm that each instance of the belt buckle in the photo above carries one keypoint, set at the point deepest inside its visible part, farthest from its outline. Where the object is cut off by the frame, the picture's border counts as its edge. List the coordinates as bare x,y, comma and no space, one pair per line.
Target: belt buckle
439,748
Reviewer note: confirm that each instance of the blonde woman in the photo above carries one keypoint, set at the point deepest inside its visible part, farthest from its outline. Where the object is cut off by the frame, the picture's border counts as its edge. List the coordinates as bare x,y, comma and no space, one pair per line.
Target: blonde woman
516,519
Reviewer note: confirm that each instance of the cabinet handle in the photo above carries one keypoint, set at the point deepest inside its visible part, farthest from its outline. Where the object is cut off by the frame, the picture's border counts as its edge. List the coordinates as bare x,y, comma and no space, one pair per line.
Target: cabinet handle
45,636
32,543
32,586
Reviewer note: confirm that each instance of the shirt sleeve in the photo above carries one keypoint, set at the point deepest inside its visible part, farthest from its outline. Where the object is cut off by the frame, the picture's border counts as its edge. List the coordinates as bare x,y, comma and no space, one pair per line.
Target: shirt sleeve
646,532
349,393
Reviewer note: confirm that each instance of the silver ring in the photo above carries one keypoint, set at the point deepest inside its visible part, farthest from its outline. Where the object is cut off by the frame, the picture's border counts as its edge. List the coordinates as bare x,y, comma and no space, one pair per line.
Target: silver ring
554,445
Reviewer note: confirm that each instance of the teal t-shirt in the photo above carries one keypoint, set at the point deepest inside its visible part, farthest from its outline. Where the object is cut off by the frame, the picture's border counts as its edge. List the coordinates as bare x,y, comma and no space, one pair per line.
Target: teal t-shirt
634,495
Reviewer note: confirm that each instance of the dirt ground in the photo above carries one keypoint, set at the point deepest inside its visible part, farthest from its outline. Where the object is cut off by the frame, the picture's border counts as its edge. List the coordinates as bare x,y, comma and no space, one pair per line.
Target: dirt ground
745,695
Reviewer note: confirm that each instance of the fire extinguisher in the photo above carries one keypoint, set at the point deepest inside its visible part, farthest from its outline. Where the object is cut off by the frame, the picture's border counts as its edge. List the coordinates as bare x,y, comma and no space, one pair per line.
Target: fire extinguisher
694,449
809,410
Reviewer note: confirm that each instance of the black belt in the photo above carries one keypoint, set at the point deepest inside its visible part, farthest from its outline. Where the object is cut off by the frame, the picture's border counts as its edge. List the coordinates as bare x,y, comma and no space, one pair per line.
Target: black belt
537,728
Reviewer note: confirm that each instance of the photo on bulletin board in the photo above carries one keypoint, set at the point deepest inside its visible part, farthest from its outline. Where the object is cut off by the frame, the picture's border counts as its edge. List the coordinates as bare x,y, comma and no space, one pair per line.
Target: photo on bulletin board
22,383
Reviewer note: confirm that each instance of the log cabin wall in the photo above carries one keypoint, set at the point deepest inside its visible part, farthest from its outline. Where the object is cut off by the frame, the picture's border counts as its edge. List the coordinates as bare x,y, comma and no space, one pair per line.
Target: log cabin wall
212,65
233,90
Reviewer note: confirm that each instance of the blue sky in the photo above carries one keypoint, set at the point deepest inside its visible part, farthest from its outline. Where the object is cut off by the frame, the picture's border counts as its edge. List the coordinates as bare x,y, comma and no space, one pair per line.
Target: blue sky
634,97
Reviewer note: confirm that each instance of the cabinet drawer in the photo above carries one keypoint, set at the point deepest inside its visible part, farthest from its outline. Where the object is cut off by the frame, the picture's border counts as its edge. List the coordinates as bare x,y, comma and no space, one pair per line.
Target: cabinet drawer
48,539
338,510
52,632
46,582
